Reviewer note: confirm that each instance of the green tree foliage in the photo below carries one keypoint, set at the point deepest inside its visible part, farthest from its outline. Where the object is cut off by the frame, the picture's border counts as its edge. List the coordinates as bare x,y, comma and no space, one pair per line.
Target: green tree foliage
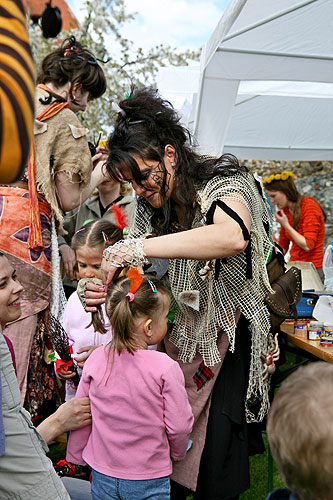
100,31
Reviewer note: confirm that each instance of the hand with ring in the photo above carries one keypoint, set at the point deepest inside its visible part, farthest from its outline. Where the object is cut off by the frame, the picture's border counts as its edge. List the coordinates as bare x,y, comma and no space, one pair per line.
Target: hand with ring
124,253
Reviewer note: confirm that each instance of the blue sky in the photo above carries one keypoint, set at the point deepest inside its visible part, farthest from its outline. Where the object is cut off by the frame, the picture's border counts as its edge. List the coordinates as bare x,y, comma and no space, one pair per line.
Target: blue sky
183,24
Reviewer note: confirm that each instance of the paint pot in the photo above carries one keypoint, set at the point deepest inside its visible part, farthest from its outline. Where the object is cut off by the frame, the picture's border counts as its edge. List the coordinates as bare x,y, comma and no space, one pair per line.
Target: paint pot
315,330
328,331
301,329
326,341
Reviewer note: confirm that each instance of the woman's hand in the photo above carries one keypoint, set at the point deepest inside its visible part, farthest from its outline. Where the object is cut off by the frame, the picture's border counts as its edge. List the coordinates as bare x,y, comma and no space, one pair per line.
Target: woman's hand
87,350
74,414
71,415
65,375
116,255
101,155
297,238
281,218
68,258
124,253
95,294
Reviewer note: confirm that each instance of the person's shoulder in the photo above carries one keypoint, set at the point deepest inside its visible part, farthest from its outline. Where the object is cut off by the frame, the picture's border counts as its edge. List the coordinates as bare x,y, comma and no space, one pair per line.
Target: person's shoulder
157,356
43,101
236,179
308,201
67,119
159,359
128,199
240,185
97,357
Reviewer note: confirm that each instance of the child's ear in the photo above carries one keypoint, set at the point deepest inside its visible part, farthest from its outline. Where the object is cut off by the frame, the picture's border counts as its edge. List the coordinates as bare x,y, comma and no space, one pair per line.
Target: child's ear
147,327
77,86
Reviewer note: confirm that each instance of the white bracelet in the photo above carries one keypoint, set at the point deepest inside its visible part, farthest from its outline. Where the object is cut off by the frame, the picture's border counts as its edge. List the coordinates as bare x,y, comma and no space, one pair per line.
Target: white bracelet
126,253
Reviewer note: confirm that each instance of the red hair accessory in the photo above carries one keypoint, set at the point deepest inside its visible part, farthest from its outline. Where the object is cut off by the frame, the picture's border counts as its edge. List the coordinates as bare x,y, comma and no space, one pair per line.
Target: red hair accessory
136,280
70,50
120,217
105,238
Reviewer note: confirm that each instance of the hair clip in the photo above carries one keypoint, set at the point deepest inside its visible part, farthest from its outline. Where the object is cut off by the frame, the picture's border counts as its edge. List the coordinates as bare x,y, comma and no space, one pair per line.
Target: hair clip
105,238
87,222
71,50
115,106
152,285
135,279
130,296
159,113
68,53
135,122
79,230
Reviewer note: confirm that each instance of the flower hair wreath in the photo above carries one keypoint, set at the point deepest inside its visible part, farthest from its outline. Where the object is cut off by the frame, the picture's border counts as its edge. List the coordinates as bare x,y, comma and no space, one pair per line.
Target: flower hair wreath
286,174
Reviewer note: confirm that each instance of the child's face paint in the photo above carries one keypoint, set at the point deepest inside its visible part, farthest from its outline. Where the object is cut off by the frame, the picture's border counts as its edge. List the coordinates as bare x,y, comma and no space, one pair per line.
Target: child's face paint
89,261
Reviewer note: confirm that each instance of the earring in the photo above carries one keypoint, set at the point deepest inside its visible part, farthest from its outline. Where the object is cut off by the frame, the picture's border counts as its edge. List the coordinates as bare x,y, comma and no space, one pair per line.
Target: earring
174,172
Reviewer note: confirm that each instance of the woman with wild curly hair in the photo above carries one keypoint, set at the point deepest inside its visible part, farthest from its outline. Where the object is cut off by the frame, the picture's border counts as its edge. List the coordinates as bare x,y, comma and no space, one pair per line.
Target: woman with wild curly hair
302,220
211,228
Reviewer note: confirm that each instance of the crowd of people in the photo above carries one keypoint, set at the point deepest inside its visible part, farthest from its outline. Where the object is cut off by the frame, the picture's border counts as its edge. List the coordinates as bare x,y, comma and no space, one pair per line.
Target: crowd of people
165,254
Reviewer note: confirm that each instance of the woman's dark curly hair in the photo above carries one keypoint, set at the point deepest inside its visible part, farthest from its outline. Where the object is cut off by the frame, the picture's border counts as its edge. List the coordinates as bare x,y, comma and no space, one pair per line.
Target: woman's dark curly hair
73,63
148,123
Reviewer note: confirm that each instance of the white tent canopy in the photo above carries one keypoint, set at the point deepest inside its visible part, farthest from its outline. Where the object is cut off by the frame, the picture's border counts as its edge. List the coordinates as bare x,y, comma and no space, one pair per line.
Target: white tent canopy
265,86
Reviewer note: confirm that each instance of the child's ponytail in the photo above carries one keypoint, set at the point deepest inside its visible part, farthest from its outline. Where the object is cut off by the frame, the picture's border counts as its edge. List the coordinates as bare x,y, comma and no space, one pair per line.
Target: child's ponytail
129,298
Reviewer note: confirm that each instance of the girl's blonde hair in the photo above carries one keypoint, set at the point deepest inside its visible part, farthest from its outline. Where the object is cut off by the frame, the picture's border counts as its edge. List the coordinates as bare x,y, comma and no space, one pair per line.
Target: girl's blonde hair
123,313
99,232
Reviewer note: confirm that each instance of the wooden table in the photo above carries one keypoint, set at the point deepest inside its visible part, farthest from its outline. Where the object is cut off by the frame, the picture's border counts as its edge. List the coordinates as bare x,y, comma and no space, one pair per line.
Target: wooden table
311,346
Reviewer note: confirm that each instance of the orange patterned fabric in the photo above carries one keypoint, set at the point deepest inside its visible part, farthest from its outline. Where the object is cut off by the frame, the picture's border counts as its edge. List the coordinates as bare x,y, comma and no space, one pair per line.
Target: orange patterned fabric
14,231
33,267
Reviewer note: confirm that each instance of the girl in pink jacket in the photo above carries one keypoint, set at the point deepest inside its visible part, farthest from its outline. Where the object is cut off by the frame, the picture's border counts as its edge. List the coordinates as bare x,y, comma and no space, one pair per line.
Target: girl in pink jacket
141,416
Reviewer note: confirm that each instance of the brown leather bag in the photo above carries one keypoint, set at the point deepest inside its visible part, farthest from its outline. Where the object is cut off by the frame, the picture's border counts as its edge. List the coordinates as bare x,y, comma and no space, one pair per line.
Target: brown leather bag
287,286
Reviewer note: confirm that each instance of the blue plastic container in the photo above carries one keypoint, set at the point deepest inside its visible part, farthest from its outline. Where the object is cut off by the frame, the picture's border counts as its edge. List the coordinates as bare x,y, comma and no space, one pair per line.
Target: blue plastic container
307,303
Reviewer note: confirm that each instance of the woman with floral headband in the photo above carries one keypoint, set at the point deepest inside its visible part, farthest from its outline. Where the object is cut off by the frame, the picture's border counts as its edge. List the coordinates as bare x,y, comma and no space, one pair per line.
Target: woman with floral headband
302,220
212,227
58,177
